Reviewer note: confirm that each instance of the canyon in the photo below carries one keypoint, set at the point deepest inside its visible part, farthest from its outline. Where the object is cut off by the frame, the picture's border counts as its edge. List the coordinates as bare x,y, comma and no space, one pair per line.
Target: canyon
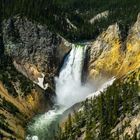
41,57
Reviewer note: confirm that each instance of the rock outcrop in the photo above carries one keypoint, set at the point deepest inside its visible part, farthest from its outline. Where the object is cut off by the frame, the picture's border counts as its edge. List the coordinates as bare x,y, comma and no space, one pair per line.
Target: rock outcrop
132,53
99,16
37,54
31,60
111,57
105,54
36,51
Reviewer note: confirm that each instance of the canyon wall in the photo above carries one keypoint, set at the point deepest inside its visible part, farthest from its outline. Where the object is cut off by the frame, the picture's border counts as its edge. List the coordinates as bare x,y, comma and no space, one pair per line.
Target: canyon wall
109,56
32,56
37,52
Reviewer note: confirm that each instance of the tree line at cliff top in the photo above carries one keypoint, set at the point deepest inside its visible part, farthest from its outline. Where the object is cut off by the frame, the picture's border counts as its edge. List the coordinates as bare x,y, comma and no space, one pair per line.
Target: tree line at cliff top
54,13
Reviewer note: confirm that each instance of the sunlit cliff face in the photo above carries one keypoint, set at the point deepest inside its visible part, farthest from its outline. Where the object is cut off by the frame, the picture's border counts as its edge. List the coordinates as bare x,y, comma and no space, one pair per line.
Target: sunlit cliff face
108,56
132,55
105,55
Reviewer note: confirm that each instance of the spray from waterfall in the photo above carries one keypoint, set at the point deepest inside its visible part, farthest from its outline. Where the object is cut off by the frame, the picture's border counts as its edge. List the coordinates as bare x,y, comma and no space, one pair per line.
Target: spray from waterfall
69,91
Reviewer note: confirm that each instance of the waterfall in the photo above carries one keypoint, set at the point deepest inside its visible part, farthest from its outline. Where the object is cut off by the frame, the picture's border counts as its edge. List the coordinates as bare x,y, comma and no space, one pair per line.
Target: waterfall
69,91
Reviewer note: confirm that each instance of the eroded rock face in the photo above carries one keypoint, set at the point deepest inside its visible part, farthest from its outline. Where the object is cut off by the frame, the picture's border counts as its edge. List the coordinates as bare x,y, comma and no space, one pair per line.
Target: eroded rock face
108,55
105,53
16,112
36,51
132,54
20,100
37,54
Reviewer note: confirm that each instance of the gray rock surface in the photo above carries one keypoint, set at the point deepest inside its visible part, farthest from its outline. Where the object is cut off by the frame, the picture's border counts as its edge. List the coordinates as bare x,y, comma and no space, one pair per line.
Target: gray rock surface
33,47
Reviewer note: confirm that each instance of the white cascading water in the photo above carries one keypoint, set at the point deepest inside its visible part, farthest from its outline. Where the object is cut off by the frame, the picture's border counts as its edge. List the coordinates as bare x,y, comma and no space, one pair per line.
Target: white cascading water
69,91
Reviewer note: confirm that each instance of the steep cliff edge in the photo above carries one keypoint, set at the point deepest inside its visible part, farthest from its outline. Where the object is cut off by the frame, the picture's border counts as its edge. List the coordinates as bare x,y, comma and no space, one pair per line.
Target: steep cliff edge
109,56
31,59
20,100
37,53
16,112
132,53
106,54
